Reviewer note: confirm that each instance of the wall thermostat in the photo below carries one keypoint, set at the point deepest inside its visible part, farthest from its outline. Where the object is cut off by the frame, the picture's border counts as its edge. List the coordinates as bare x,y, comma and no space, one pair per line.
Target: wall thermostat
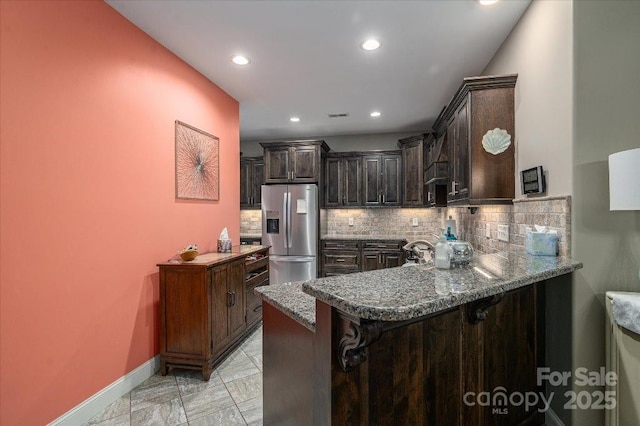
533,181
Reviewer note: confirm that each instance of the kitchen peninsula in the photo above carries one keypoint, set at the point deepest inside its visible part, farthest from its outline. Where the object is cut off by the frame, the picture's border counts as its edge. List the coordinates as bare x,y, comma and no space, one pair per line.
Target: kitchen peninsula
382,347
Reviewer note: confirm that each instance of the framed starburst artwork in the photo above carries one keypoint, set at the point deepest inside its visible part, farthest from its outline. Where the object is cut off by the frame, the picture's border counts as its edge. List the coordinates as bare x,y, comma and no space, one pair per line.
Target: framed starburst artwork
197,164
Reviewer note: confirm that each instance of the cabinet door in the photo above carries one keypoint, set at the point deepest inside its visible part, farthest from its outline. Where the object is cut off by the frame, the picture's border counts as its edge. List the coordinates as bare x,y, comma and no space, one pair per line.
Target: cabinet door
237,310
371,179
221,299
352,189
412,166
451,141
371,260
276,163
391,179
245,183
305,163
461,153
333,182
391,260
257,179
184,303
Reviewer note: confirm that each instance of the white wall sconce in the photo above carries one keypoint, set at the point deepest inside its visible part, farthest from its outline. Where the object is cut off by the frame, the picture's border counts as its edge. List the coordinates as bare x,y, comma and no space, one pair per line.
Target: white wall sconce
624,180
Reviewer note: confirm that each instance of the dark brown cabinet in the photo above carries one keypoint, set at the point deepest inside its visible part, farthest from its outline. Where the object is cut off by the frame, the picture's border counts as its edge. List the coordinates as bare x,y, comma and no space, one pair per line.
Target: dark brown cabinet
251,180
382,179
477,176
413,163
206,308
294,161
340,257
436,174
343,180
459,149
381,255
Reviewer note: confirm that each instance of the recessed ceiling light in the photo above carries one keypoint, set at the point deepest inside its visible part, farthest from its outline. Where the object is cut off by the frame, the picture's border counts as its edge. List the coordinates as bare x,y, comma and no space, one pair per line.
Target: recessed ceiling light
294,119
371,44
487,2
240,60
375,114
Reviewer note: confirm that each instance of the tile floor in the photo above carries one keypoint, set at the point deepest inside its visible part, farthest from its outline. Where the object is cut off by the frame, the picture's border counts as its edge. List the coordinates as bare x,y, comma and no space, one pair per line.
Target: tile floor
233,395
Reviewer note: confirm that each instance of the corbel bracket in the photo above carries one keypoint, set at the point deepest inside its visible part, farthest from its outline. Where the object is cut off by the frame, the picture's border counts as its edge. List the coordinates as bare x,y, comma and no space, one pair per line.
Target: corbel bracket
356,338
477,311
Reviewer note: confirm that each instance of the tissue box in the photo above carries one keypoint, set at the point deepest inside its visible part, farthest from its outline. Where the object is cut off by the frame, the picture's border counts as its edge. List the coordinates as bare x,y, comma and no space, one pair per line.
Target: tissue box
224,246
541,244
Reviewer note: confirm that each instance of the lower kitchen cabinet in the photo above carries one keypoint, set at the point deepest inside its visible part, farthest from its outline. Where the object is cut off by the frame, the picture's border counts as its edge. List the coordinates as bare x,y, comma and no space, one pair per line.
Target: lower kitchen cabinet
207,306
382,254
341,257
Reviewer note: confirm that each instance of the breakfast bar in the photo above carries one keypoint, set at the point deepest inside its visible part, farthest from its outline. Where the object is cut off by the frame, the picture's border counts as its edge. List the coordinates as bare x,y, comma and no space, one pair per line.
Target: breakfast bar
384,347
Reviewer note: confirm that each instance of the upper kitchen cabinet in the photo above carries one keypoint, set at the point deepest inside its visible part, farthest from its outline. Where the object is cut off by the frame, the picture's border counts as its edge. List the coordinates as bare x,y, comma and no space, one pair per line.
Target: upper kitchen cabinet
251,180
436,173
382,178
293,161
481,173
413,166
343,180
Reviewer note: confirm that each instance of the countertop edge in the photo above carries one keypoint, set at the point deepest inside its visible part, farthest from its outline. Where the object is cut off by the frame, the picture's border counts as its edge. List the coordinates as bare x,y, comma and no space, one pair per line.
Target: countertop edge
291,312
217,258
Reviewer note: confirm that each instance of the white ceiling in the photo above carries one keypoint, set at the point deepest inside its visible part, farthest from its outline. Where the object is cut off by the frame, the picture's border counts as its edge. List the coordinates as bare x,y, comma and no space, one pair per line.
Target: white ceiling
306,58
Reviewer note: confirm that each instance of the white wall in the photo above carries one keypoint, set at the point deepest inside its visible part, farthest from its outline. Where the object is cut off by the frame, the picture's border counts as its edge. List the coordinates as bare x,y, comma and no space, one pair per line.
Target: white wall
607,67
539,50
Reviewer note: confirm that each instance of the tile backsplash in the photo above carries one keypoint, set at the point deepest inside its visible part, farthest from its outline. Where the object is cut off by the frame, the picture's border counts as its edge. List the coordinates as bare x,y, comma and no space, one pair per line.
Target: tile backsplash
383,221
250,222
553,212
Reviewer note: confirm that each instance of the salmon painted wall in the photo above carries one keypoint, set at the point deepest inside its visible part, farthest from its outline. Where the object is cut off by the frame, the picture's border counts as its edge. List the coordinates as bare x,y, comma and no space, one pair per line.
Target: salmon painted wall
87,110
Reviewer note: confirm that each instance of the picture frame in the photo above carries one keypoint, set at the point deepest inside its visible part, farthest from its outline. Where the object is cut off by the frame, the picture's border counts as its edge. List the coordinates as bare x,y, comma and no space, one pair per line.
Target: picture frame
197,163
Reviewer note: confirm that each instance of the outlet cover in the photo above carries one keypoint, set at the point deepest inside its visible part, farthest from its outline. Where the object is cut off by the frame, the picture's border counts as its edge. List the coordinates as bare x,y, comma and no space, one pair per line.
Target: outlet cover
487,231
503,233
414,221
350,221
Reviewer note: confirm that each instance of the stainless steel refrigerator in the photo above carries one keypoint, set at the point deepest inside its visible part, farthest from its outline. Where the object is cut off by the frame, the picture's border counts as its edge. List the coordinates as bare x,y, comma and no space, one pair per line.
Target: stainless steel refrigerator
290,215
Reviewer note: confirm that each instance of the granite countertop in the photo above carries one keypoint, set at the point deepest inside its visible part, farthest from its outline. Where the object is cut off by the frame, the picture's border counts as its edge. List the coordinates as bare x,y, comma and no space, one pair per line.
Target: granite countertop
290,300
404,293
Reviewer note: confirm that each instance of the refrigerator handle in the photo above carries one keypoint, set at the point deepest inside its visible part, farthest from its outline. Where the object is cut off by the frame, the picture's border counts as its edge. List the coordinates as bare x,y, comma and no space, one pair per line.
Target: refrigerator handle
289,214
285,220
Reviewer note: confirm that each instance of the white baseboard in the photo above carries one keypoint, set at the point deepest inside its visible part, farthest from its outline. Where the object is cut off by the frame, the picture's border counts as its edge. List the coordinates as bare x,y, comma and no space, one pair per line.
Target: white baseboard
90,407
552,419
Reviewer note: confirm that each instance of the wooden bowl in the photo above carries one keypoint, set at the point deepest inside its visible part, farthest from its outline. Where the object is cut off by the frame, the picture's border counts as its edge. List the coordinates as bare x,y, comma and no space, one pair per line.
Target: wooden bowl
189,255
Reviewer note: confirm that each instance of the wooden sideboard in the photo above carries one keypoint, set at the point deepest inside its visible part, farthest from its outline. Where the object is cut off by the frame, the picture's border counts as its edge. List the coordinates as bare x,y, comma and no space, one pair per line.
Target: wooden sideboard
207,306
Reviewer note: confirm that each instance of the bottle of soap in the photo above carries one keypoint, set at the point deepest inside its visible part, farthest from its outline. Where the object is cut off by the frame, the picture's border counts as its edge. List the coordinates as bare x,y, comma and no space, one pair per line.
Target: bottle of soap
443,253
